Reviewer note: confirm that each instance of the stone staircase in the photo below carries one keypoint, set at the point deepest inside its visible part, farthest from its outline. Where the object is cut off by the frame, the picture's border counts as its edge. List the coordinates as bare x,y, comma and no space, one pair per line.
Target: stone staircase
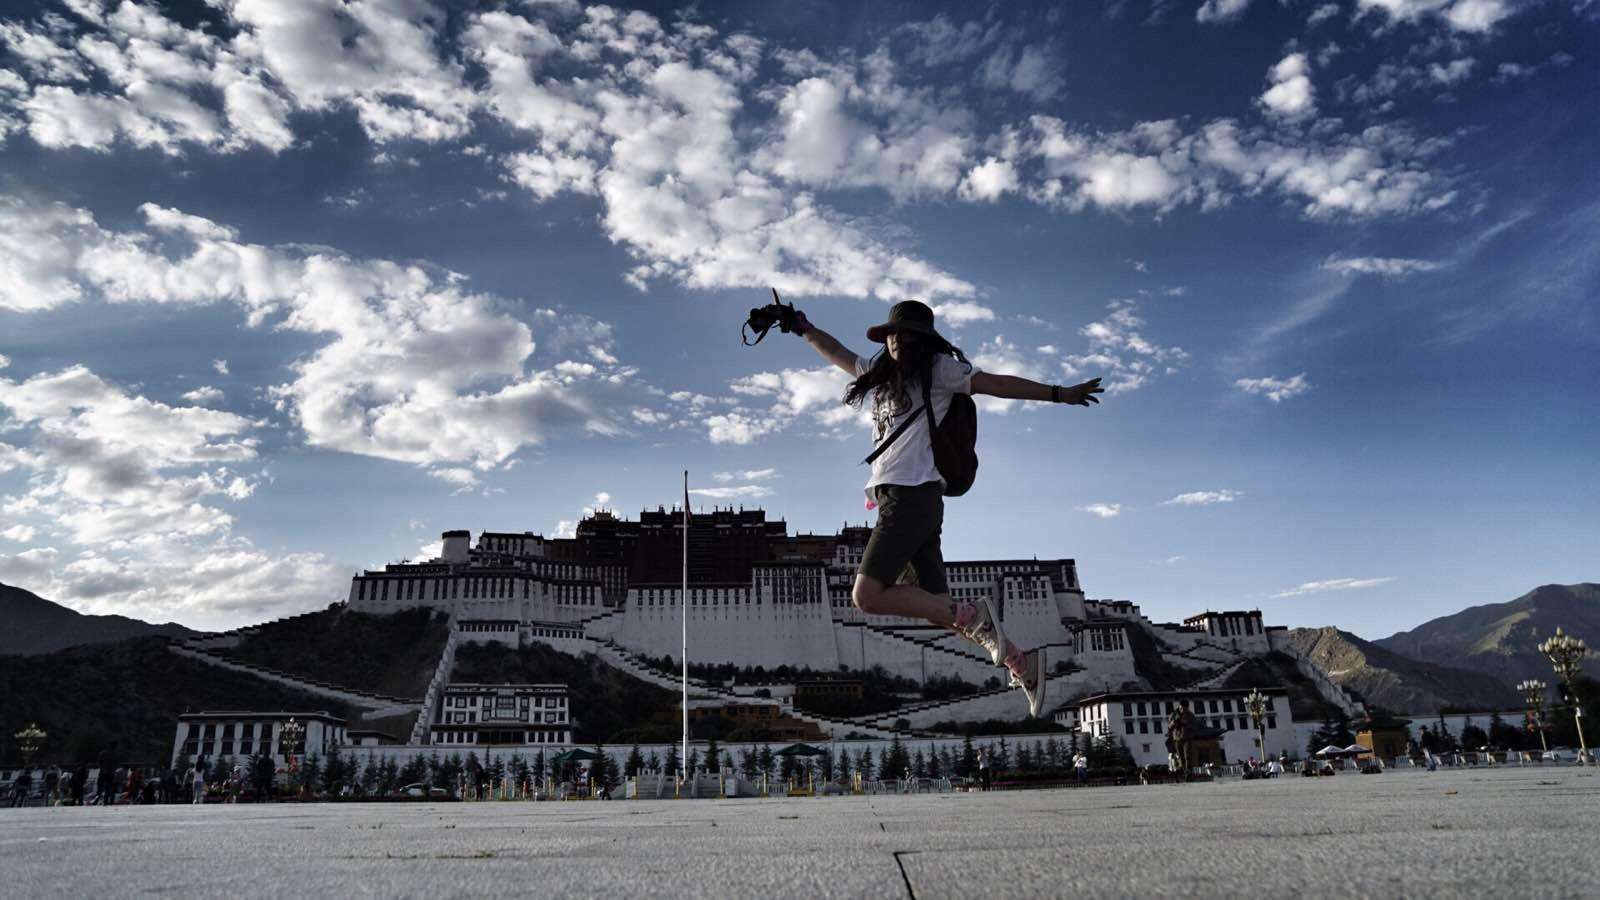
615,656
372,704
436,686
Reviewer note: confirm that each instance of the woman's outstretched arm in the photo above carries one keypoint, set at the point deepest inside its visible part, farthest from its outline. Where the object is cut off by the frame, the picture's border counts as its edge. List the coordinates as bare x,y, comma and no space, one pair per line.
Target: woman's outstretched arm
1016,388
830,348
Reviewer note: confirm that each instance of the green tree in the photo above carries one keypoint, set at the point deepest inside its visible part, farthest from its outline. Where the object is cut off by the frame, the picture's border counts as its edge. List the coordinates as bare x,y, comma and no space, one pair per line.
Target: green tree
653,762
748,766
634,763
672,759
262,772
866,765
895,760
1473,737
713,756
1504,735
919,765
968,766
936,767
765,760
333,772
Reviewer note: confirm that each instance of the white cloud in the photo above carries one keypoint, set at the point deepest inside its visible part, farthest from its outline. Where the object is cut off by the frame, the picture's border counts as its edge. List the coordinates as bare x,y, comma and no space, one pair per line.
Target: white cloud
1275,389
1103,510
1120,353
413,366
746,475
1333,584
1388,267
204,396
1203,498
1453,72
1473,16
990,181
220,366
1291,95
962,313
5,361
1322,13
1220,10
729,493
138,489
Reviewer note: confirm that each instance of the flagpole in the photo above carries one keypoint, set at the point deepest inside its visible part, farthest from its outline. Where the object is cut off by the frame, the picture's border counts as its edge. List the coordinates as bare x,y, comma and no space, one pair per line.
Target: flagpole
684,597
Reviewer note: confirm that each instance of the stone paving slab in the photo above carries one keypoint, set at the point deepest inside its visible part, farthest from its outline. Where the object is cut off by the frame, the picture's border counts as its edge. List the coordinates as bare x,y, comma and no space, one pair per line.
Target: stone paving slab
1506,832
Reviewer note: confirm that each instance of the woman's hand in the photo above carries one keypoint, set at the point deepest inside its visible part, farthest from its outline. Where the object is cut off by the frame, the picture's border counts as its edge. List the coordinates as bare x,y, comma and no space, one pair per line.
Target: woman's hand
1082,394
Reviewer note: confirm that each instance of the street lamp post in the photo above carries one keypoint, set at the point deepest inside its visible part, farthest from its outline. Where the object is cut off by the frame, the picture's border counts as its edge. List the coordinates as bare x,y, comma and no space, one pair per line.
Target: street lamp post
289,738
1533,692
1257,703
29,740
1566,653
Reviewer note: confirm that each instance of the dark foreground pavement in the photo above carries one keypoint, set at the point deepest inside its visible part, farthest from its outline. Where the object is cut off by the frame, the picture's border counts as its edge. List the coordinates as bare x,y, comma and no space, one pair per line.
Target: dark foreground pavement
1506,832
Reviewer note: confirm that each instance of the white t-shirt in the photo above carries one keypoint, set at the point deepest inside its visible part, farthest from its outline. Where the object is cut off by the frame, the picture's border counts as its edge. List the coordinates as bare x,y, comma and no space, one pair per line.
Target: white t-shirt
909,460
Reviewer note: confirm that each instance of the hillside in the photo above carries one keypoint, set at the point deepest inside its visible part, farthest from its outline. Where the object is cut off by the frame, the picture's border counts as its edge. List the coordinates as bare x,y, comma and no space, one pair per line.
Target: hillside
36,625
1396,683
1501,639
129,692
391,654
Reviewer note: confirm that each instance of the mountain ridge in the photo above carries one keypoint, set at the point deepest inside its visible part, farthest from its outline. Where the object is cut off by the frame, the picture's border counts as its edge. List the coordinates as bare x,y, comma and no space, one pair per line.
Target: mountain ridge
36,626
1501,639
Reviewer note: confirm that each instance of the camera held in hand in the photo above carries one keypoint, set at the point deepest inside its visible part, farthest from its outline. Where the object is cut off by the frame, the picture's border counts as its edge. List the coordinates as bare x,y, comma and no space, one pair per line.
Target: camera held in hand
788,319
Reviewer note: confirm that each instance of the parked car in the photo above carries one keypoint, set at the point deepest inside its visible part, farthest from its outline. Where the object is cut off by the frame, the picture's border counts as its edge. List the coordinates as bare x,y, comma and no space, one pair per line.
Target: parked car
414,790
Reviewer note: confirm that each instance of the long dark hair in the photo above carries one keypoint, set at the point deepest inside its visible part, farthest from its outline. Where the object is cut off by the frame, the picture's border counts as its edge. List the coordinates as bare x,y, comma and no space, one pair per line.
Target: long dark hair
883,370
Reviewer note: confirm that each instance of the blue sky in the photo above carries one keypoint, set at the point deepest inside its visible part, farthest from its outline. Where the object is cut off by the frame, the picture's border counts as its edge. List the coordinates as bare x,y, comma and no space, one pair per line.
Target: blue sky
285,291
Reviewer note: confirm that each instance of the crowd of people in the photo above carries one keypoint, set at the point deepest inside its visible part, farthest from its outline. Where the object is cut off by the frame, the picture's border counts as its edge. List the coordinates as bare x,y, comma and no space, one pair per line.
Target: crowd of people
109,783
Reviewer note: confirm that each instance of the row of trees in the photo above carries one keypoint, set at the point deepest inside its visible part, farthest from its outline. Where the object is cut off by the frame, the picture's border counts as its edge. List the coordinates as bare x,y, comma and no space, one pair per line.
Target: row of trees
1038,757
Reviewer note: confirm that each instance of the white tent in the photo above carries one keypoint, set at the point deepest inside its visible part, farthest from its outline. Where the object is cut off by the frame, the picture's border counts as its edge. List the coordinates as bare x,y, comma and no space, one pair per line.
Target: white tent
1331,750
1356,750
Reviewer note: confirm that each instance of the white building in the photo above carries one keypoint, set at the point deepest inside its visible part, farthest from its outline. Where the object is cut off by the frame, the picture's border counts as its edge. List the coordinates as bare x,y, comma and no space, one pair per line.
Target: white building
502,714
790,604
242,734
1138,720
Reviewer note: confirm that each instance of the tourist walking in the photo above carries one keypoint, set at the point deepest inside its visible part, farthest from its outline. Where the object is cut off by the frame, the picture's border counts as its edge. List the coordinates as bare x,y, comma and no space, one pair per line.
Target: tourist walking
52,784
80,783
105,779
197,780
914,382
984,778
1080,764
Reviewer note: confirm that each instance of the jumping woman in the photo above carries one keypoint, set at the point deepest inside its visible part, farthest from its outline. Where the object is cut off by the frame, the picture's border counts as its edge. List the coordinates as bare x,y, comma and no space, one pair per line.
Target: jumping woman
905,485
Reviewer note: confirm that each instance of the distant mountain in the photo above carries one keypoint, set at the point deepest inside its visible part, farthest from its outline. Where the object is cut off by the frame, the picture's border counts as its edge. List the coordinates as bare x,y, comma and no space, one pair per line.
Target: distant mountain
1502,639
1396,683
34,625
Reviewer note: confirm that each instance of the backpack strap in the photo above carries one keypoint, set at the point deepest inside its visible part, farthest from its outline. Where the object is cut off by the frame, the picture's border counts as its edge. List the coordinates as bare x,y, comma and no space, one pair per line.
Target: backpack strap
878,451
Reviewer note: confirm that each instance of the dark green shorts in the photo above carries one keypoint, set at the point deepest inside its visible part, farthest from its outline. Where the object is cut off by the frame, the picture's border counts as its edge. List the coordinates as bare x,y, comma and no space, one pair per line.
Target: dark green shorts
904,547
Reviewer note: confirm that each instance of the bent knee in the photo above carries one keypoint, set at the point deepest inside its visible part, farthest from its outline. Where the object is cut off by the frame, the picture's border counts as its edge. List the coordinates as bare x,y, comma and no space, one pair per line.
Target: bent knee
867,594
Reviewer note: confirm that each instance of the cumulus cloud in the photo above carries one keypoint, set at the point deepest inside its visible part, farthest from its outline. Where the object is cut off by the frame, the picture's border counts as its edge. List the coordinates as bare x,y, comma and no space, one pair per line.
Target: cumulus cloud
1333,584
1275,389
204,396
1290,95
1203,498
412,366
1103,510
1473,16
1388,267
220,366
141,490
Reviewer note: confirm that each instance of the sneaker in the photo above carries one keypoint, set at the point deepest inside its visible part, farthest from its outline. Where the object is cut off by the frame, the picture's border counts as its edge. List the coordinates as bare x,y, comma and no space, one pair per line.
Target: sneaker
1032,680
985,631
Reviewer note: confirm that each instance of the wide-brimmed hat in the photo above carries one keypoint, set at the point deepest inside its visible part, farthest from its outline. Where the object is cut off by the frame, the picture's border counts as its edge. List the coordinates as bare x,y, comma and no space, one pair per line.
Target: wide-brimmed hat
907,315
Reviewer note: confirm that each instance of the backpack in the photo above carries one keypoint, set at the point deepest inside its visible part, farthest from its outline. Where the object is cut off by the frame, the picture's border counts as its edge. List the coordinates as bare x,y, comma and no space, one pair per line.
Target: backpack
955,441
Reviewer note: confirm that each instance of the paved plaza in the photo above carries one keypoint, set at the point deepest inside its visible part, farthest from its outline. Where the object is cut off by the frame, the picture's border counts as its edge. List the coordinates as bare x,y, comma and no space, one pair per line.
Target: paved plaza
1473,833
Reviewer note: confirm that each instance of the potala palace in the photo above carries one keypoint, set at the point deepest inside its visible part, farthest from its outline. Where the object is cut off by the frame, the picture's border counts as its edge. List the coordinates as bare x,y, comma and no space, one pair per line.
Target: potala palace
759,596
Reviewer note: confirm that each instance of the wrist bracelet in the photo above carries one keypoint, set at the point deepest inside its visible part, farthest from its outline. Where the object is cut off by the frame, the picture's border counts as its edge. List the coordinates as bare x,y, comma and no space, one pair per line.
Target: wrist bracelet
1055,393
